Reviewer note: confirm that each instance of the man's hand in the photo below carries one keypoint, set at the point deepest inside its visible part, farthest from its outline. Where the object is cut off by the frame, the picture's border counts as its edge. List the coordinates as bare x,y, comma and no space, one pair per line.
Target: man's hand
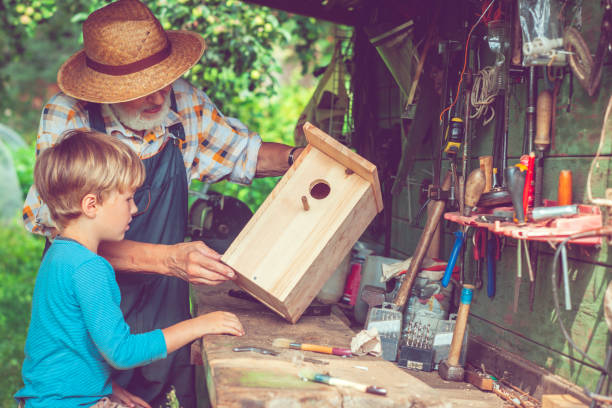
126,398
198,264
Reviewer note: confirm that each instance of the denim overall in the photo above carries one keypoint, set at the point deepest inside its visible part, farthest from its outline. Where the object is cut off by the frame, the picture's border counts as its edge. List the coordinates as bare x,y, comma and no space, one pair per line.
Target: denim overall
152,301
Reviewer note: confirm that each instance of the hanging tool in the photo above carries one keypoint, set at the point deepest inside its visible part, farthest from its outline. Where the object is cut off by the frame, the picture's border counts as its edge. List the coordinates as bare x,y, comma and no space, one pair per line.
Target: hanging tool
588,70
528,189
454,137
474,187
499,193
486,165
516,184
450,369
459,238
519,275
452,145
531,110
493,254
480,250
542,140
566,288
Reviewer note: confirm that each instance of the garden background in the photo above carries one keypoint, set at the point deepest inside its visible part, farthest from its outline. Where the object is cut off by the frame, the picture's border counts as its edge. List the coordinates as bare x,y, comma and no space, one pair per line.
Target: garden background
258,67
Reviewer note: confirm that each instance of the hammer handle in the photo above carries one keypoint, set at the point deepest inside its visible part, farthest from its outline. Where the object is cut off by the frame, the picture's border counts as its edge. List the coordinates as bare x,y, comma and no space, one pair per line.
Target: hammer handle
422,246
460,325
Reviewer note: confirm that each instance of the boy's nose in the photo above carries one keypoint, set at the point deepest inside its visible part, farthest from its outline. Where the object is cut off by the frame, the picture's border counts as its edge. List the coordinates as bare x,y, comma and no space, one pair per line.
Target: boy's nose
133,207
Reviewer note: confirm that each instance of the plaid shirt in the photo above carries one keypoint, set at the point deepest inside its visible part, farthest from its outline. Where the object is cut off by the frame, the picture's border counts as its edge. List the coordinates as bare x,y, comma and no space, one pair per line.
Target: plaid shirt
215,147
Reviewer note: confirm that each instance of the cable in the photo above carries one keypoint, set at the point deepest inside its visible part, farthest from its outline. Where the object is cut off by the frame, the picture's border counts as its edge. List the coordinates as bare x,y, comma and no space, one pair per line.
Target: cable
467,43
483,94
593,233
599,201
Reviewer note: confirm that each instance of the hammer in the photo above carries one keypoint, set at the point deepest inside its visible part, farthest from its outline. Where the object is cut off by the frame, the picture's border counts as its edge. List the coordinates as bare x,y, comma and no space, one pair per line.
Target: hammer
450,369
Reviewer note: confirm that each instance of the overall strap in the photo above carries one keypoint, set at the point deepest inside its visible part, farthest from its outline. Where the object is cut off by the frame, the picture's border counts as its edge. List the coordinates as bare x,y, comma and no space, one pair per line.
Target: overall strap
96,121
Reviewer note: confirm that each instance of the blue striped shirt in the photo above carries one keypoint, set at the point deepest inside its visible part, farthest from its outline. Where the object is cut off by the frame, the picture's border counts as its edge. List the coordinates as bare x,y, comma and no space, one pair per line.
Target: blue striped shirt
77,331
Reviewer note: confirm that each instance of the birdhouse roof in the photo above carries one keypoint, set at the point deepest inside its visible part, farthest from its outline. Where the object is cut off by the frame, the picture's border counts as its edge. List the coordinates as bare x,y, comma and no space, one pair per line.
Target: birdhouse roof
345,156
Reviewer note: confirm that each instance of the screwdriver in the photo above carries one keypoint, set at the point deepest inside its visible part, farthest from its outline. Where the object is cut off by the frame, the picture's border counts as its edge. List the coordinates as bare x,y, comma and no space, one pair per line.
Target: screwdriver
542,140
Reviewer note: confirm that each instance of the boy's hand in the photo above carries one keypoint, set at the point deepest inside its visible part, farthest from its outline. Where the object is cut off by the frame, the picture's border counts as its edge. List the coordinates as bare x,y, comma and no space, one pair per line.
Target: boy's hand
220,323
198,264
127,398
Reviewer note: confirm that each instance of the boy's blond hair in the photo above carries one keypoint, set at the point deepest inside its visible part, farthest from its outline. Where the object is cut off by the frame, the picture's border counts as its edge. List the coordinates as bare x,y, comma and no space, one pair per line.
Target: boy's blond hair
84,162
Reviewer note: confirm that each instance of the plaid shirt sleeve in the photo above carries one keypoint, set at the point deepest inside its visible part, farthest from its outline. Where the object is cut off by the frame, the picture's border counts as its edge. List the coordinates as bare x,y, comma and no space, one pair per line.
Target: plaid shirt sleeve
59,114
216,147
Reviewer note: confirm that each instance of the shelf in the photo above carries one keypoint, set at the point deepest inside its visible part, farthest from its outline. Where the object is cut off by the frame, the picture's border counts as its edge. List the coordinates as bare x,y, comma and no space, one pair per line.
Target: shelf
552,230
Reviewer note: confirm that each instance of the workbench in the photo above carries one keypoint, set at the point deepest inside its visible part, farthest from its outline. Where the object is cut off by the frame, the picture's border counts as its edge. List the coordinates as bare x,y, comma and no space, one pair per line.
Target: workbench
249,379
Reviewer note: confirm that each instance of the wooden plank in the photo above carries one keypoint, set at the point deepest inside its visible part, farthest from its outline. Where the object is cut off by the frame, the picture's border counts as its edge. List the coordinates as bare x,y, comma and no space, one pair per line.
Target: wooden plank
250,379
561,401
342,154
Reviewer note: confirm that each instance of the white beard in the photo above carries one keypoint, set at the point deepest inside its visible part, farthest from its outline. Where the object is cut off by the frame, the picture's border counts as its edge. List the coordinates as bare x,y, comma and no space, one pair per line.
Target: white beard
136,121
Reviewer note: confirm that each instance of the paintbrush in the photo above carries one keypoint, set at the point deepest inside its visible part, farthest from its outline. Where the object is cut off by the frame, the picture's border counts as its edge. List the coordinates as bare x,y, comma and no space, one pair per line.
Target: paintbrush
286,343
326,379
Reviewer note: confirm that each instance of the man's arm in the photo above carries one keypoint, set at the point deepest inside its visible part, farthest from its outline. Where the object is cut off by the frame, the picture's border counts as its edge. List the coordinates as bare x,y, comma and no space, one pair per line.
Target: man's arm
191,261
273,159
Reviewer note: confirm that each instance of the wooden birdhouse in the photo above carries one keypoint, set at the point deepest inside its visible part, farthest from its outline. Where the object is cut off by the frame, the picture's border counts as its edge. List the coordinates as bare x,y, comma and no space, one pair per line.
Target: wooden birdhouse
306,226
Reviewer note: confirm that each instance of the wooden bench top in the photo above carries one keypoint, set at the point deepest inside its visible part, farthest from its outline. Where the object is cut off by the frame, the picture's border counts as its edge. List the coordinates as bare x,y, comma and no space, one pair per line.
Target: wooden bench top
248,379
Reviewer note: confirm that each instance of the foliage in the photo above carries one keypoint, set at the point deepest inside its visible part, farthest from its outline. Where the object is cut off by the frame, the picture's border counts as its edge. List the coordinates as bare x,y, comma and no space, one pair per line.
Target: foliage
239,62
19,259
274,119
23,160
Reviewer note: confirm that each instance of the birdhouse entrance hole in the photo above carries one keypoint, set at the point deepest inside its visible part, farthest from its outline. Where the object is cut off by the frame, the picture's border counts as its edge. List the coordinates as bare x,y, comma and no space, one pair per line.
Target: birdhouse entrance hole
319,189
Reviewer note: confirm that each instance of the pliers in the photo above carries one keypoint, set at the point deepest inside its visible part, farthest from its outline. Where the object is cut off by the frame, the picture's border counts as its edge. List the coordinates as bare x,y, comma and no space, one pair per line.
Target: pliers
262,350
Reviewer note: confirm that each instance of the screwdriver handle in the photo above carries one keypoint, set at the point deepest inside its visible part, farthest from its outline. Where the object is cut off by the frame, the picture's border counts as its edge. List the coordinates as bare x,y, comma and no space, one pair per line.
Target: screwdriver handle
453,258
543,120
486,165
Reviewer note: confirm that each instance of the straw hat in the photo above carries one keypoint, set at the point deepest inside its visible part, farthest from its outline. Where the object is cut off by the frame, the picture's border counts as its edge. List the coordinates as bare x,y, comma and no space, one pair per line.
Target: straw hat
127,55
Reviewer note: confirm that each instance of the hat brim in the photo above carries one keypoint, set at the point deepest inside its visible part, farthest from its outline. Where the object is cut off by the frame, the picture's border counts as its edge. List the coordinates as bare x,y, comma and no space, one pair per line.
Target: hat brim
76,79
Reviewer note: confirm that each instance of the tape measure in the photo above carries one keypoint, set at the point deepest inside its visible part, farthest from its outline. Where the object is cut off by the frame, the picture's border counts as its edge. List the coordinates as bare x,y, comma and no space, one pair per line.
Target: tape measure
454,137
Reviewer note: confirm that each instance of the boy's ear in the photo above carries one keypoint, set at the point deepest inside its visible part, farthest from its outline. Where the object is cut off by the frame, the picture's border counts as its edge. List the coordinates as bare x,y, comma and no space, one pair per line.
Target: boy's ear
89,205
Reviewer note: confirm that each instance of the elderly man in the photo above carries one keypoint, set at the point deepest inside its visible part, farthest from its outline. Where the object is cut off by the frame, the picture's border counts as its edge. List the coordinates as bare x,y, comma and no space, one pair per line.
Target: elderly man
126,83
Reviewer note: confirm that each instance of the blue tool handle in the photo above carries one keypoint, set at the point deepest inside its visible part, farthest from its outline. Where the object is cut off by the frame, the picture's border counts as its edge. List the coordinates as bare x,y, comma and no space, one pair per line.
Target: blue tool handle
491,248
453,258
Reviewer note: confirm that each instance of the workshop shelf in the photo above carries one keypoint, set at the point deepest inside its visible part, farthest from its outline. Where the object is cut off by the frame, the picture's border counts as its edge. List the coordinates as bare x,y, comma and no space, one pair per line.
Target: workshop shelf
552,230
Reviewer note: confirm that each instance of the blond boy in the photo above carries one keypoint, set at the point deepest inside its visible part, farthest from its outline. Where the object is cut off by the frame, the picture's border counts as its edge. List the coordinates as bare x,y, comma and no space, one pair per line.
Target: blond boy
77,331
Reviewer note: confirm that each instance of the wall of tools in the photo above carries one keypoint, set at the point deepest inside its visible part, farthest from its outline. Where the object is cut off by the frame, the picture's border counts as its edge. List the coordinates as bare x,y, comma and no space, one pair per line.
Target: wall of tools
511,102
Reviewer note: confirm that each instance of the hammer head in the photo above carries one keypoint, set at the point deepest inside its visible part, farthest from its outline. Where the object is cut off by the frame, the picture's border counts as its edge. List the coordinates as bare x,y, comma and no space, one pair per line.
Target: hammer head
450,372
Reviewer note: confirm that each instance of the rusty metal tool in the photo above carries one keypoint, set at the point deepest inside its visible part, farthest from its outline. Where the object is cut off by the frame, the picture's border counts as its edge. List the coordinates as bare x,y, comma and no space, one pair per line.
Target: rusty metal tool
268,352
387,319
254,349
588,70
